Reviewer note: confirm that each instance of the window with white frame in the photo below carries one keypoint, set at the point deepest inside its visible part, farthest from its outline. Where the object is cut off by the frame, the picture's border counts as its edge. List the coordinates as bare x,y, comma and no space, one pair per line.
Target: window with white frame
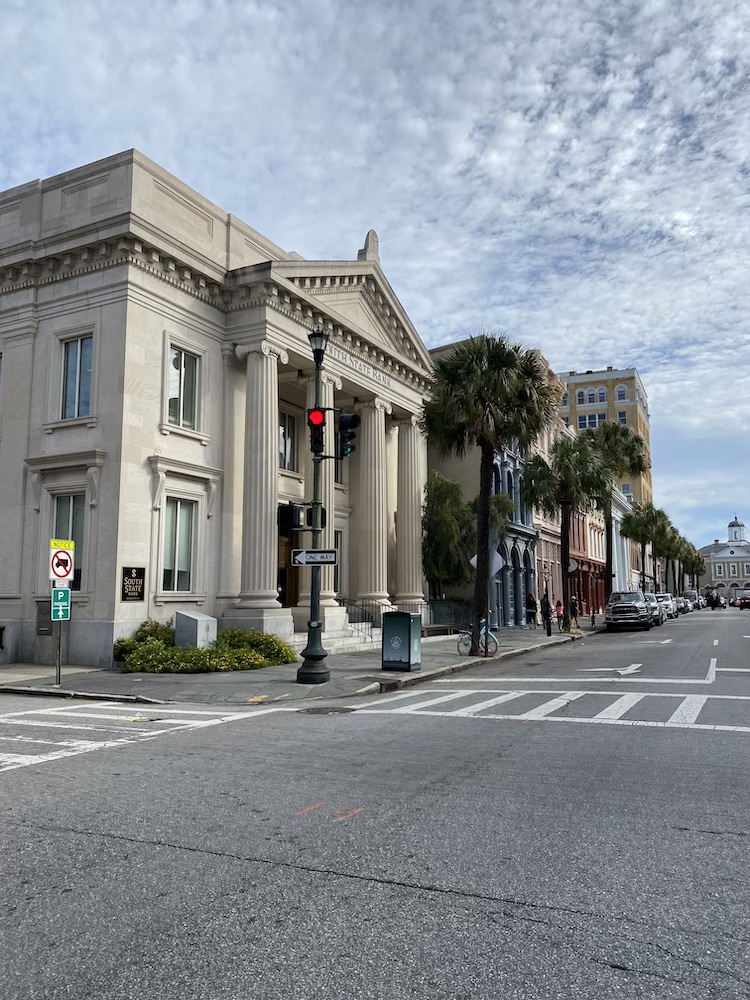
747,569
626,489
565,399
600,418
287,441
76,378
591,396
580,397
719,570
178,553
622,417
69,512
582,423
733,569
184,374
592,420
621,392
602,395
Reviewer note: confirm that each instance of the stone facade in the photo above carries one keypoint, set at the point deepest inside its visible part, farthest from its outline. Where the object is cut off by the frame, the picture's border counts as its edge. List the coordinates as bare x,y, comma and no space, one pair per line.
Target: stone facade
156,373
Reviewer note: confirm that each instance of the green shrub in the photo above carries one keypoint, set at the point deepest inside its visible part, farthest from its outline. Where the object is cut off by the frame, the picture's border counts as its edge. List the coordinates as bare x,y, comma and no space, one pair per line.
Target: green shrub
270,647
150,629
124,647
156,658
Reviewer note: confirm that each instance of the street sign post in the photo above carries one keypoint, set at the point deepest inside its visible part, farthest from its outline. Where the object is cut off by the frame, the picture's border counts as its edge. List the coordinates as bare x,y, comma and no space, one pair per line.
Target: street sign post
60,610
314,557
61,558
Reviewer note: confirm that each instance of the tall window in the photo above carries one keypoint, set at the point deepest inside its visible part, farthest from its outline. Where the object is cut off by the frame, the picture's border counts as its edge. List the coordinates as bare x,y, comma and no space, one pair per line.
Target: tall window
580,397
600,418
582,423
622,417
733,569
591,396
602,395
287,442
621,392
76,393
719,569
179,516
747,569
592,420
183,389
69,524
565,399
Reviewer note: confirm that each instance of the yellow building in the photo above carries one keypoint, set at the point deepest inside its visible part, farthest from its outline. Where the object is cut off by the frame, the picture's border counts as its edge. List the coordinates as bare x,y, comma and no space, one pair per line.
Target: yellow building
618,394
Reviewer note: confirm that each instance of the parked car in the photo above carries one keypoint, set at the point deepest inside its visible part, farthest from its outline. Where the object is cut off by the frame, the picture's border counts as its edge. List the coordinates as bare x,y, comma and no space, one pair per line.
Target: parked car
627,608
692,596
689,606
658,609
681,608
744,602
669,603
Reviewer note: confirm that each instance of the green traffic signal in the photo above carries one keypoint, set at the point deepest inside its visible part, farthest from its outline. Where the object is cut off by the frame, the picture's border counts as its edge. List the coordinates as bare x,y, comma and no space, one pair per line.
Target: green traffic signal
348,424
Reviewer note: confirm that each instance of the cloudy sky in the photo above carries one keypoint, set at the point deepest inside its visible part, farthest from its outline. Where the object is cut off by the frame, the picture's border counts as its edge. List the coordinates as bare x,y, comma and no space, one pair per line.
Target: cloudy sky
573,173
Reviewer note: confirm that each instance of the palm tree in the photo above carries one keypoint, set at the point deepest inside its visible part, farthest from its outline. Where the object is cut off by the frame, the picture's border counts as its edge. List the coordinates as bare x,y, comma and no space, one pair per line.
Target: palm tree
646,524
487,393
623,453
574,480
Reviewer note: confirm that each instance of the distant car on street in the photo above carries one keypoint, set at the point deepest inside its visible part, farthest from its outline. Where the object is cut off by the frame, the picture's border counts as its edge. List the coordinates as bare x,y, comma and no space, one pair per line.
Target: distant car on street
744,602
692,596
670,604
658,609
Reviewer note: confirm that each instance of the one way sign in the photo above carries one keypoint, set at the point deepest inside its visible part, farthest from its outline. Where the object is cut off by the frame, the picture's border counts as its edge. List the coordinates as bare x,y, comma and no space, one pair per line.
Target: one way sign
313,557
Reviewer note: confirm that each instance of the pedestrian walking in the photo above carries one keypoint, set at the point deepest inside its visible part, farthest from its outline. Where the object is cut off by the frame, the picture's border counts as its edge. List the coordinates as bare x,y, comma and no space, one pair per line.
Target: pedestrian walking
546,614
560,614
531,611
574,611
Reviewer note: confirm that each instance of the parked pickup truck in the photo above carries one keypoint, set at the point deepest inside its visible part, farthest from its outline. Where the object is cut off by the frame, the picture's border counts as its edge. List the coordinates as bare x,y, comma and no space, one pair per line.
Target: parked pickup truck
627,608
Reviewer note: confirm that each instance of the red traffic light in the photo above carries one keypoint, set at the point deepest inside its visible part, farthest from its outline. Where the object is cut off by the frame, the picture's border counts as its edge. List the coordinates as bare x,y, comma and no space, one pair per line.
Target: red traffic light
316,417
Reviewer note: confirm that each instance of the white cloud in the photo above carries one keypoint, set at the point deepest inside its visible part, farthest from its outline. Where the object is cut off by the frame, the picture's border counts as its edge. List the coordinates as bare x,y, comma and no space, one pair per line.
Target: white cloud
576,176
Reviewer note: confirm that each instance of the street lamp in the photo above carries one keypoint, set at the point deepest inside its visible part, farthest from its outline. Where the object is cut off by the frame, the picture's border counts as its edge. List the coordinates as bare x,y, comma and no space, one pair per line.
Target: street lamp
313,669
545,574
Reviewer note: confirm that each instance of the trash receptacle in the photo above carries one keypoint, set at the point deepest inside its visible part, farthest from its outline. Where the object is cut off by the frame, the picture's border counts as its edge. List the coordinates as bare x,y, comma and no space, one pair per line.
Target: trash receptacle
402,640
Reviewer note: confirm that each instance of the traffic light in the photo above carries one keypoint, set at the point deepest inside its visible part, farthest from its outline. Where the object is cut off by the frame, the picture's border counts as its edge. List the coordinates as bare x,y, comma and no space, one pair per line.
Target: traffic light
316,421
348,424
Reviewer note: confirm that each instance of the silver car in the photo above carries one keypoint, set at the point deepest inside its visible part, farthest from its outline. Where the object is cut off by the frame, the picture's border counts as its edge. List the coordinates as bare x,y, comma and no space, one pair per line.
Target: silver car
669,603
657,608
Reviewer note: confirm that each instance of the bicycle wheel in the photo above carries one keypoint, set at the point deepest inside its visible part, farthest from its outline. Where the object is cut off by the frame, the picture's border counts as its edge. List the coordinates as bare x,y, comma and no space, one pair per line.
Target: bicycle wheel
492,644
464,643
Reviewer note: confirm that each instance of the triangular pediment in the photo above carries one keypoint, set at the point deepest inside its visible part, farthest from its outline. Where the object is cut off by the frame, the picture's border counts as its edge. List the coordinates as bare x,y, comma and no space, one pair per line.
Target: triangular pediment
359,293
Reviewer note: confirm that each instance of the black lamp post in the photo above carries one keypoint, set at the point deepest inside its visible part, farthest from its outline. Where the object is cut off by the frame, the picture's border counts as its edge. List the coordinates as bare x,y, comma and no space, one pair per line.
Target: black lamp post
313,669
548,623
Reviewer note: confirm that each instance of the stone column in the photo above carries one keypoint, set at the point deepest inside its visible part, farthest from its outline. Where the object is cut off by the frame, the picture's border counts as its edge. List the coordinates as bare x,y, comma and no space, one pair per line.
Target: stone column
334,617
259,605
409,581
232,463
373,518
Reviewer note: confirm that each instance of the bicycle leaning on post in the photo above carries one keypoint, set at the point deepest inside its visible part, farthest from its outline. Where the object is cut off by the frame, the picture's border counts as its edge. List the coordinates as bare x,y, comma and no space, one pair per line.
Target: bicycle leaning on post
487,641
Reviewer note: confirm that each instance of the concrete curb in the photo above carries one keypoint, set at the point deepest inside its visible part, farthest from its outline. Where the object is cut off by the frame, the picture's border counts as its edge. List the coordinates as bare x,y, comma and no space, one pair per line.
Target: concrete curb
67,693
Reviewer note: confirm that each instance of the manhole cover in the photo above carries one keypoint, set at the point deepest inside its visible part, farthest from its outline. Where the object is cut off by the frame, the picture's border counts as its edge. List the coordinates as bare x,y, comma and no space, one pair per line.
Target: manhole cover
323,710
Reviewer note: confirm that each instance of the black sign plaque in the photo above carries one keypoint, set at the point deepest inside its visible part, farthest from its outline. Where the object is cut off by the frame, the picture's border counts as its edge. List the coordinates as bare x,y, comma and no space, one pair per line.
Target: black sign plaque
133,583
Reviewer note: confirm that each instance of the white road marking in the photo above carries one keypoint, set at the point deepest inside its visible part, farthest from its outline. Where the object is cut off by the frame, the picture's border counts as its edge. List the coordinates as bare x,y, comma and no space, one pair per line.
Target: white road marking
434,701
620,707
655,642
578,680
489,703
733,670
716,642
688,711
711,675
552,706
632,669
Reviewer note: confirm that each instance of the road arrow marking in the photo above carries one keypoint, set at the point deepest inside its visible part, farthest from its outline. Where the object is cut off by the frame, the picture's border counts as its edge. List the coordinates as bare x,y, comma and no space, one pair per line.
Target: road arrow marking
655,642
632,669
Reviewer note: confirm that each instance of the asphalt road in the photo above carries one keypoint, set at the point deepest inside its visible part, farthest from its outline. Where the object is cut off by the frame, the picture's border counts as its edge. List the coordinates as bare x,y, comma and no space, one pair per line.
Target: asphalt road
527,830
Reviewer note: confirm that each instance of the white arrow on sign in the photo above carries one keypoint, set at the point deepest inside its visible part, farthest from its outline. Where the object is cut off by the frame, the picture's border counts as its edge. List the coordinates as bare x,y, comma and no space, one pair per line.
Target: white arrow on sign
632,669
313,557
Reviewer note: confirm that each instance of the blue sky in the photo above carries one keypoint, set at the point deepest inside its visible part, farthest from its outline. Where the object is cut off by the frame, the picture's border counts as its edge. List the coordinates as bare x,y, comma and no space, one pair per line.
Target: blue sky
573,173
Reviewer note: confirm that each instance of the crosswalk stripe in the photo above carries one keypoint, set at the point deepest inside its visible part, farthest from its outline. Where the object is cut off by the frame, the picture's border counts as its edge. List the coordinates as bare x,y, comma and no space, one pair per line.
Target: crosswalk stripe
688,711
552,706
620,707
431,701
482,705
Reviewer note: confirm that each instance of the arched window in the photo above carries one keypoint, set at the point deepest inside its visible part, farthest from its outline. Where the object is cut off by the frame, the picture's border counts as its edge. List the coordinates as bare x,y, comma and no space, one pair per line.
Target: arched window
621,392
580,397
592,396
565,399
602,395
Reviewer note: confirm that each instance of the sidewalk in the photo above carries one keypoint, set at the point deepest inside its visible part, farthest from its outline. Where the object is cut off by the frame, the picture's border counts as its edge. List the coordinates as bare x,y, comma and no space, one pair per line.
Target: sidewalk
351,674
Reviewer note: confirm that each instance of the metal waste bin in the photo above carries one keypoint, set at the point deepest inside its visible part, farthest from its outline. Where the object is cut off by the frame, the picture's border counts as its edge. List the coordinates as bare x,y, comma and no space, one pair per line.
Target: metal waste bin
402,640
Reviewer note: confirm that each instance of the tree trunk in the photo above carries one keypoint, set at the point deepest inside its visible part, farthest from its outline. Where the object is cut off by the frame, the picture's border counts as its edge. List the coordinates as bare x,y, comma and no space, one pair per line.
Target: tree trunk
482,578
566,513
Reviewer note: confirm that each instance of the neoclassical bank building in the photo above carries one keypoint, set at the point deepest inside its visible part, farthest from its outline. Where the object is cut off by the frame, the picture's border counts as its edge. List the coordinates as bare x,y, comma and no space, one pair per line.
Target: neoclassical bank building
154,381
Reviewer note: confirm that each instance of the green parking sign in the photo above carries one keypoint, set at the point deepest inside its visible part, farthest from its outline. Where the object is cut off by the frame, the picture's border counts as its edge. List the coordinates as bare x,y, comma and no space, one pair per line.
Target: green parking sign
60,611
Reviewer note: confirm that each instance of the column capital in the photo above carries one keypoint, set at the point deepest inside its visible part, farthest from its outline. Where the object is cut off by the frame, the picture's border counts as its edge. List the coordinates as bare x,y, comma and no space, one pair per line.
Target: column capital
377,404
410,420
265,348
